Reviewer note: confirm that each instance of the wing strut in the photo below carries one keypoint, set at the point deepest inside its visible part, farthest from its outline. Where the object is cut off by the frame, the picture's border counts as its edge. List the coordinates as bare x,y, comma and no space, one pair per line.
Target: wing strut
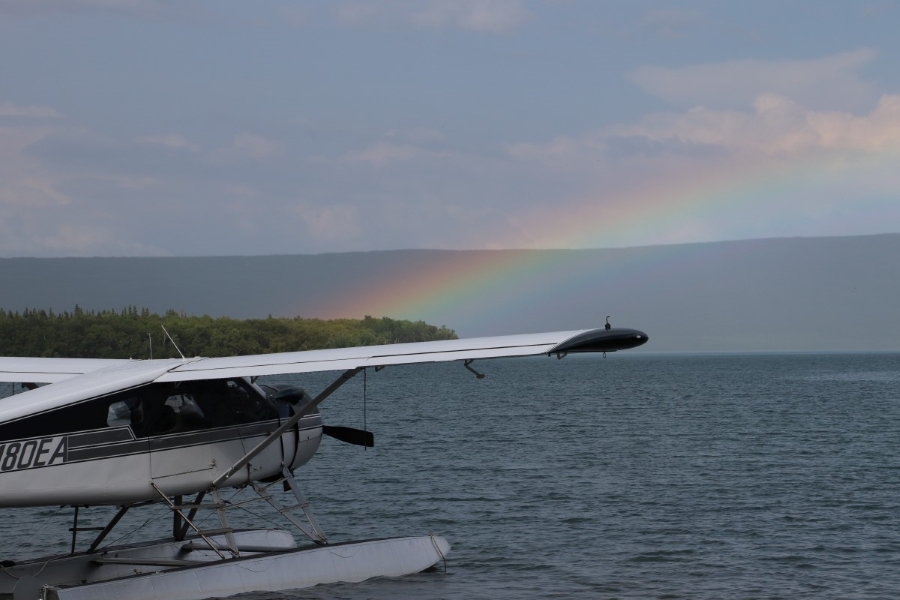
468,365
275,435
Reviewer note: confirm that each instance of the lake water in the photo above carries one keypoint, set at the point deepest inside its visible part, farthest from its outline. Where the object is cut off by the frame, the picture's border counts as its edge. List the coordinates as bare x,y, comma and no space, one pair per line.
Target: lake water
635,476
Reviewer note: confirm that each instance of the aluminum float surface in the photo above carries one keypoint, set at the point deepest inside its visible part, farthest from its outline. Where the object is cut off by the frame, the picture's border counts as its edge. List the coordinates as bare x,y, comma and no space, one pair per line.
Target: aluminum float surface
24,580
306,567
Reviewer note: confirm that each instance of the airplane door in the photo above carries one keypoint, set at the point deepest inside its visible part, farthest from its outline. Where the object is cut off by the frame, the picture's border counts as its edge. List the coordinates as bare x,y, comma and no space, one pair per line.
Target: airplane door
180,443
257,417
198,429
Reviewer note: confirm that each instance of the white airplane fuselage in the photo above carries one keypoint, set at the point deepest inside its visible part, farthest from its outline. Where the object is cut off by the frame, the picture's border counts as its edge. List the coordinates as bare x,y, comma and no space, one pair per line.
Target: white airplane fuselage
118,432
179,438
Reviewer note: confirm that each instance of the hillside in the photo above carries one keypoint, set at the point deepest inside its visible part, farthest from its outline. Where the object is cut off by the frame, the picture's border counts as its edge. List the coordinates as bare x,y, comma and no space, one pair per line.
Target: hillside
838,293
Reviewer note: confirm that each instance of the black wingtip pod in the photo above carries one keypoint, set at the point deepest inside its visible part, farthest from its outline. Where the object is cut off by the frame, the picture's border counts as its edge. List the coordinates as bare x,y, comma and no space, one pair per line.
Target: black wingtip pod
603,340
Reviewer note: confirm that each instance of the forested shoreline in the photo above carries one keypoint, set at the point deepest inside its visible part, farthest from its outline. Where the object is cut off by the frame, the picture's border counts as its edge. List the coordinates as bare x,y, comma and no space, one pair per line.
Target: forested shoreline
135,332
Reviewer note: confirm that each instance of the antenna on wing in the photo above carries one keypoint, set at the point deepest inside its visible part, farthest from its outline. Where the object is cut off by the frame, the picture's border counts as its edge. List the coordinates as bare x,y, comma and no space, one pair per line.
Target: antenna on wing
151,345
608,326
173,341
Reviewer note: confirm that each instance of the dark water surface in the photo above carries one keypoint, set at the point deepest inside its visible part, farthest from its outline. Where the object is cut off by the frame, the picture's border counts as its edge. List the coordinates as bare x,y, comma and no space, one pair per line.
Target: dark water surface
637,476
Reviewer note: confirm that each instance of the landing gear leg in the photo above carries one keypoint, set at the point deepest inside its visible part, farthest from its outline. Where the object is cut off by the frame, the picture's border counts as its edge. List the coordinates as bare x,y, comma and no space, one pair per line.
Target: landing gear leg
75,529
203,534
108,528
311,528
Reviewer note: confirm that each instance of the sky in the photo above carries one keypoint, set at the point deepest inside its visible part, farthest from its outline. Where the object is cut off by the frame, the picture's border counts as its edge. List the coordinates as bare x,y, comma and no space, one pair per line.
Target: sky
203,128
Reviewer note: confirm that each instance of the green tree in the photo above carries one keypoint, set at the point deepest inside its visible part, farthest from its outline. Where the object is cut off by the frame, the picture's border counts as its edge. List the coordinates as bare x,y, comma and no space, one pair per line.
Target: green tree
131,332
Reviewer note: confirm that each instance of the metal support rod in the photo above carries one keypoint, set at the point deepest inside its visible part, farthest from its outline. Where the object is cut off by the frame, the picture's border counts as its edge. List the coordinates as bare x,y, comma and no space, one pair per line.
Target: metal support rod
301,412
312,530
468,365
108,528
208,541
190,547
176,519
191,514
149,562
226,526
74,530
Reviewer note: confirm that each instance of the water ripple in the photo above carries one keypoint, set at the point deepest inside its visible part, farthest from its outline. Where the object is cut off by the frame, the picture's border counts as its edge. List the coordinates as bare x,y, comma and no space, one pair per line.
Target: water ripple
639,476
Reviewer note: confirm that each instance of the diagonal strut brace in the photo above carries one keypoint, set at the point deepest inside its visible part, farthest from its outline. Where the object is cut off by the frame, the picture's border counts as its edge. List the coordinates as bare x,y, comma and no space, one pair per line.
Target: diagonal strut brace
301,412
312,530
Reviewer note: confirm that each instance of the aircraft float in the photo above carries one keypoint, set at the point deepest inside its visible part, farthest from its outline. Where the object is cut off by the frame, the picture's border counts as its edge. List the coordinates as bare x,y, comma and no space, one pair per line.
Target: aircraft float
132,433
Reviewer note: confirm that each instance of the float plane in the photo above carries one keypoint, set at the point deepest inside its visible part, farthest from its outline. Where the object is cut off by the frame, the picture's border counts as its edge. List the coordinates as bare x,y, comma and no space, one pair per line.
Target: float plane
177,432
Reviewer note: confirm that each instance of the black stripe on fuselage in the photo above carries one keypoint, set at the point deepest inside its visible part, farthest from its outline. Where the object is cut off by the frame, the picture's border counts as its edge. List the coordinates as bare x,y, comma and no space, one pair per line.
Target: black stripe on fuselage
211,436
88,437
114,449
94,438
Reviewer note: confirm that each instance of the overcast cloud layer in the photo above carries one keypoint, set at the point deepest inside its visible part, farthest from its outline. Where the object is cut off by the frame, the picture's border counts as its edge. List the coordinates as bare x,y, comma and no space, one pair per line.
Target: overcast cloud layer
148,127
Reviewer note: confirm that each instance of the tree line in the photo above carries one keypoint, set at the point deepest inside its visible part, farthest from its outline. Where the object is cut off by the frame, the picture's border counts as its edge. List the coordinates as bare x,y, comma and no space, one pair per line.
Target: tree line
135,333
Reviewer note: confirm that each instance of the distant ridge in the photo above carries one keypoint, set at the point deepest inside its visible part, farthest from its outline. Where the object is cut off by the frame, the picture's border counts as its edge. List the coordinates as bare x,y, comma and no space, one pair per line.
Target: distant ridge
834,293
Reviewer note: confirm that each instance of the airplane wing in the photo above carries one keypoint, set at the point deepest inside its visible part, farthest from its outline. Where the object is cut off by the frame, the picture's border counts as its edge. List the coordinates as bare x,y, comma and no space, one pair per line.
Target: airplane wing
590,340
76,380
52,370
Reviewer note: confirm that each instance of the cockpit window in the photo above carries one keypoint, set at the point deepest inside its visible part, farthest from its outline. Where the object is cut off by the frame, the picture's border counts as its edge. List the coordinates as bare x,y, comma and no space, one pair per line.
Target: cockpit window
125,412
179,412
249,406
208,404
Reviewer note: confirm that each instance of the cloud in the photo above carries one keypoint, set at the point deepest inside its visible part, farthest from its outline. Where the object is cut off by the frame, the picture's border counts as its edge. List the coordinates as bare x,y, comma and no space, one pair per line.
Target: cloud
171,140
494,17
560,150
382,153
254,146
778,169
74,238
13,110
42,212
672,23
33,234
830,82
295,15
879,9
246,146
401,145
144,9
417,135
777,126
24,179
331,223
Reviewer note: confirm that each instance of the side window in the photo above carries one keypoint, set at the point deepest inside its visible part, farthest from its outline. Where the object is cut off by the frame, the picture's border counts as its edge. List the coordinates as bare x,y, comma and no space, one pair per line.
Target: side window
179,412
129,411
249,406
213,398
84,416
194,405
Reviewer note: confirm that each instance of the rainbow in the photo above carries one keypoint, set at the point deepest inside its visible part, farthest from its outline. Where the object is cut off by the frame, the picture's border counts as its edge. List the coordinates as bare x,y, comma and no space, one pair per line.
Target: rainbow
477,286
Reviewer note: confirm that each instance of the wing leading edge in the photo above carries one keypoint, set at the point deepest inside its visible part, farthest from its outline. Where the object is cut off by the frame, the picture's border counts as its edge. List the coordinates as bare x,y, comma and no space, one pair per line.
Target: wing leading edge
590,340
52,370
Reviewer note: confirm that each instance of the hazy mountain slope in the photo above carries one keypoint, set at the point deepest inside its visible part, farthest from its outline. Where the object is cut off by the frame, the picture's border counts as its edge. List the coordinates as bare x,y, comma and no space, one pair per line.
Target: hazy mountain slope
793,293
